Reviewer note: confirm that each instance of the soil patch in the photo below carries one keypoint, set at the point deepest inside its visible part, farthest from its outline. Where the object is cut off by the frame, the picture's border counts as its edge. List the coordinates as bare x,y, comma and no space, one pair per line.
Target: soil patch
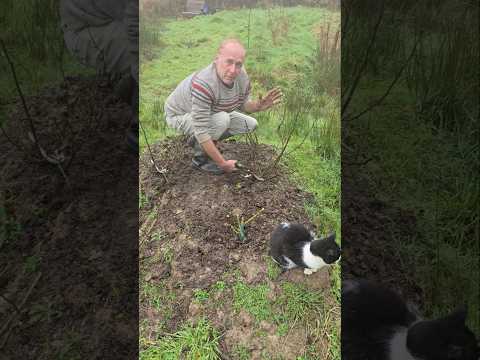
186,227
73,257
369,227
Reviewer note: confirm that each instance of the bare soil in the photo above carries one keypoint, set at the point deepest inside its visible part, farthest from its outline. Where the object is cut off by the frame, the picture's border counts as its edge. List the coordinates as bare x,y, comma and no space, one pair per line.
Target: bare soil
69,255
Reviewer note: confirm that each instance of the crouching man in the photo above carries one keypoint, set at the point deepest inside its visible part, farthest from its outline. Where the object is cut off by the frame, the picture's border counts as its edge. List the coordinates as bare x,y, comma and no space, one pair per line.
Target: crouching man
205,105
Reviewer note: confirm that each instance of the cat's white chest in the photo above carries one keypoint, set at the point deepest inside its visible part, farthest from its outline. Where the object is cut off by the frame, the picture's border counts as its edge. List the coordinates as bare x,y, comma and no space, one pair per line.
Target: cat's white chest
398,346
312,261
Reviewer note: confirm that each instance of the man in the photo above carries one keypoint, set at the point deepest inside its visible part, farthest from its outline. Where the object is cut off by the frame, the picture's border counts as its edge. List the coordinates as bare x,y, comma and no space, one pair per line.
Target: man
204,106
104,35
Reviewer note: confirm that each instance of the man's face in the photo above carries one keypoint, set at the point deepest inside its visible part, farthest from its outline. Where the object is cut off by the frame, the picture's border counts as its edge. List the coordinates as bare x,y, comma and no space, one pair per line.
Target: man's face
229,62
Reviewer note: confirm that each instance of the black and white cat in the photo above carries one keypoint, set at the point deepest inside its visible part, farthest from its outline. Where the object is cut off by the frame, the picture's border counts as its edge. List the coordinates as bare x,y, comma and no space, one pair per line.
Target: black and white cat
292,245
377,324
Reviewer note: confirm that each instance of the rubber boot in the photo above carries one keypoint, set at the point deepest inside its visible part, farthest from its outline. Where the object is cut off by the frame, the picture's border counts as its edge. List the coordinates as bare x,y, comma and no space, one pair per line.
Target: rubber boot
199,156
201,161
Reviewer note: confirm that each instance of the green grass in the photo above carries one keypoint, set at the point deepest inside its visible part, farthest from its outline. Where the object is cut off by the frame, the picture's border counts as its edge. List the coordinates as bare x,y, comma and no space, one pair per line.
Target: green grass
156,295
273,270
186,48
10,229
39,57
423,143
298,302
193,342
253,299
200,295
432,173
429,172
241,352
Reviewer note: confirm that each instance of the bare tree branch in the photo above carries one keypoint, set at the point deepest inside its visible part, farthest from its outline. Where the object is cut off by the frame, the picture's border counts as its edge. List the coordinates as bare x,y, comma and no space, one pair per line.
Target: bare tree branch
392,84
19,148
361,71
33,133
160,171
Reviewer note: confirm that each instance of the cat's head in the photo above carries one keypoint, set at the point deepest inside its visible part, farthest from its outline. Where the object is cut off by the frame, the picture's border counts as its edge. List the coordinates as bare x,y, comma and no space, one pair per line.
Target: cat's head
326,248
447,338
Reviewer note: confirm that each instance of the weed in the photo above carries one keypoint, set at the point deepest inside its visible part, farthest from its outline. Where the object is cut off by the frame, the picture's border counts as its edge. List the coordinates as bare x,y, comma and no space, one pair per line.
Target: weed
200,295
32,263
298,302
279,24
192,342
241,352
10,229
158,236
167,254
273,270
142,198
253,299
239,229
219,286
156,295
283,328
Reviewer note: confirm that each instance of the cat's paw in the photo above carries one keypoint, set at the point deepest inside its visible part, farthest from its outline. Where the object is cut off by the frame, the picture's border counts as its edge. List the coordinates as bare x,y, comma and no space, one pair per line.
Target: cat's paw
308,271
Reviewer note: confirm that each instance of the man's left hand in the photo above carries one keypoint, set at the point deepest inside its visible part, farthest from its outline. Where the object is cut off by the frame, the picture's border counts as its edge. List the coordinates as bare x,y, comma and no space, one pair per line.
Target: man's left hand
272,98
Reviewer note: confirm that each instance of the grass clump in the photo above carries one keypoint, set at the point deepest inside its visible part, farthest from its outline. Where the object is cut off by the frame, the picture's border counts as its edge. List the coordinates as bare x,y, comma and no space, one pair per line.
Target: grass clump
156,295
299,303
200,295
253,299
193,342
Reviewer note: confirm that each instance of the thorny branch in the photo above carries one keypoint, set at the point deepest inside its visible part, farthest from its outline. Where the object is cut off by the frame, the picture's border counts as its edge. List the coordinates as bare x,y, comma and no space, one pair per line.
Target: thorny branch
361,71
33,133
160,171
392,84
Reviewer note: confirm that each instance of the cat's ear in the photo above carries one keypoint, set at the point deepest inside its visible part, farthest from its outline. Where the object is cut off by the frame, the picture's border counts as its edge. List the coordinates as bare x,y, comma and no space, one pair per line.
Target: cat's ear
330,237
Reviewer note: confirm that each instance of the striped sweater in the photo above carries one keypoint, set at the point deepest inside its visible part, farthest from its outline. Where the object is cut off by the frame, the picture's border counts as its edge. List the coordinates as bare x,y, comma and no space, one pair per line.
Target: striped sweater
203,94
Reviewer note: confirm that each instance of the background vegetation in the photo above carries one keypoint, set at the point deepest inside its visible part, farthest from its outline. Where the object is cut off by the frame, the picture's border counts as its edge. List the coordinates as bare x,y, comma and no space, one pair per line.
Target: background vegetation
420,144
33,37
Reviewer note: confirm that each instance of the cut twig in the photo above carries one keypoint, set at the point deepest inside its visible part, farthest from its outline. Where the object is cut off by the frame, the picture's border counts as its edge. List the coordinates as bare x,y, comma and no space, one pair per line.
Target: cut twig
33,133
152,160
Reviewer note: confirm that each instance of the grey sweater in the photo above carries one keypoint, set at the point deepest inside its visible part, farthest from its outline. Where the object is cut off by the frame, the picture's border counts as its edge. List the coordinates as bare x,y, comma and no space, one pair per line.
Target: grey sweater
203,94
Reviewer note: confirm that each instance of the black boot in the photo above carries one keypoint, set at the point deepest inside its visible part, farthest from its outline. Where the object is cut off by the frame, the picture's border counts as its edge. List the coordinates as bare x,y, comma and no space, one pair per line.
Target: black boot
200,160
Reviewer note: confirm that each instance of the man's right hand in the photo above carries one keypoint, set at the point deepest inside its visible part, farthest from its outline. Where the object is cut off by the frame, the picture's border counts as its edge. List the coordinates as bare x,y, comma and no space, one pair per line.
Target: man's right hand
228,166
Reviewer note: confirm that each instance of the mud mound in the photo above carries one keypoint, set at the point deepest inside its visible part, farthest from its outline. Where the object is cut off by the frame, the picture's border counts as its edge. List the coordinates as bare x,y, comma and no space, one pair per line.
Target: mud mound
188,244
198,209
72,258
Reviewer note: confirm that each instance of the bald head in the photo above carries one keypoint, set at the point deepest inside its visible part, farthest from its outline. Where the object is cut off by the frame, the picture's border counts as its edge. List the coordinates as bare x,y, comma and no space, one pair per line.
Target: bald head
229,60
229,45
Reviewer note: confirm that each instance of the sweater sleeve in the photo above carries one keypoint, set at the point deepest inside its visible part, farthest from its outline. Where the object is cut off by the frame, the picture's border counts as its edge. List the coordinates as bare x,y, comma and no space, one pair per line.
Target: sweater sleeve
202,101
